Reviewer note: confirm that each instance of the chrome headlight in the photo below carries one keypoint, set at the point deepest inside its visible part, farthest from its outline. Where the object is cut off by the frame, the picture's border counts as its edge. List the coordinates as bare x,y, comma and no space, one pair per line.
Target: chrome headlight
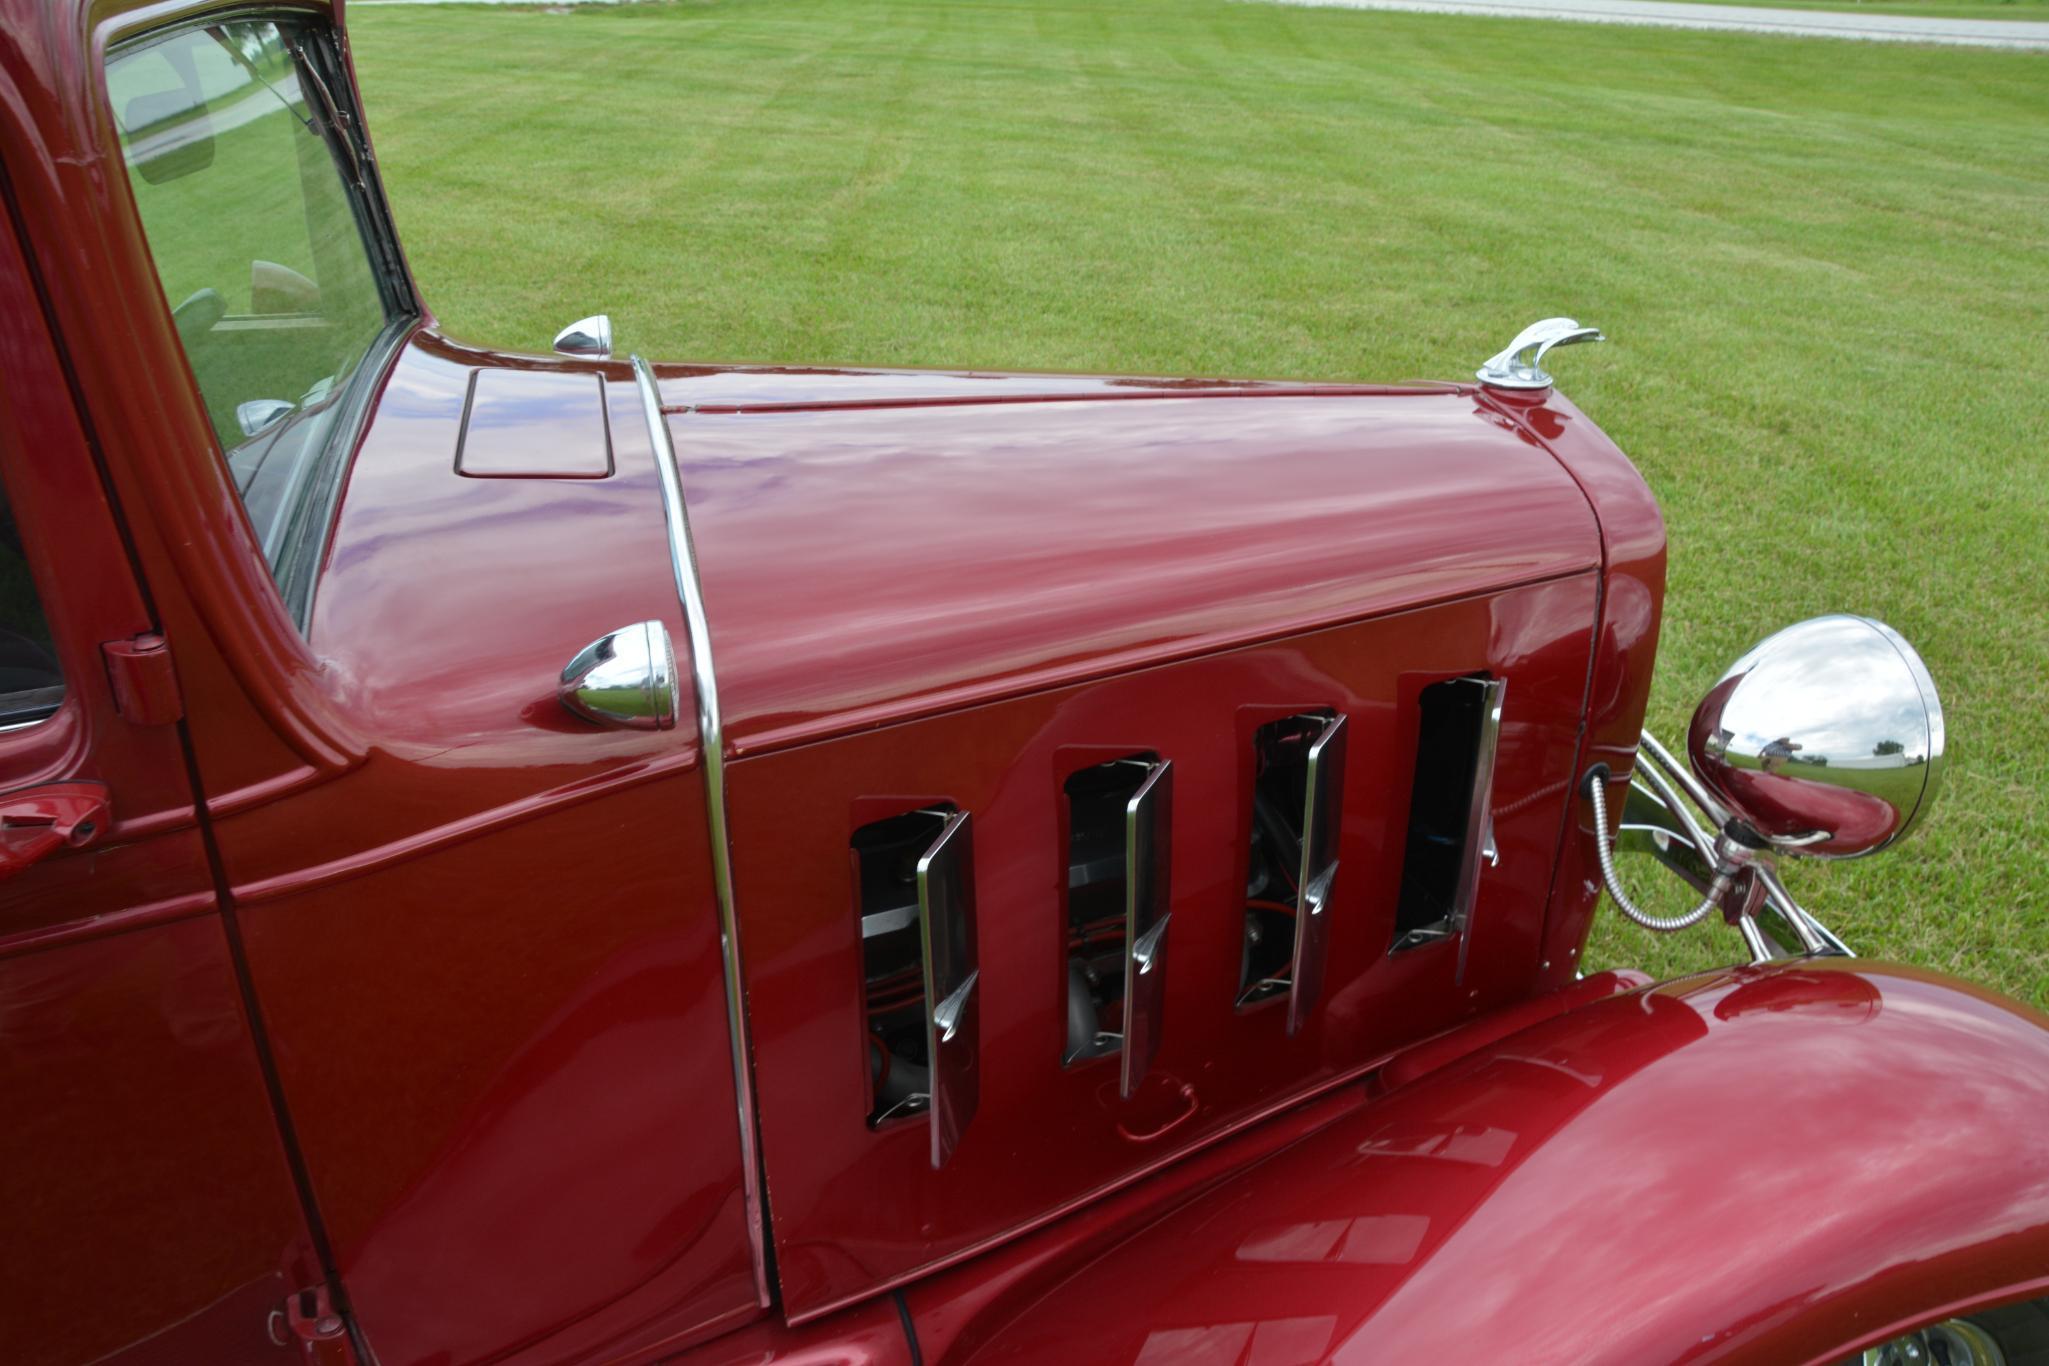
2011,1335
1826,738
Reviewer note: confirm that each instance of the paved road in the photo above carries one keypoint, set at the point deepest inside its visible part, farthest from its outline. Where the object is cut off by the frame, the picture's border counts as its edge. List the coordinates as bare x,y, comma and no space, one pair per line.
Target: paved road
1882,28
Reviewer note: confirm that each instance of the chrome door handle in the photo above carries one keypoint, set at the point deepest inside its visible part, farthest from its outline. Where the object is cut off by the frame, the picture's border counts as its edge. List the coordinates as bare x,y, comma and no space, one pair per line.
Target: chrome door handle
38,821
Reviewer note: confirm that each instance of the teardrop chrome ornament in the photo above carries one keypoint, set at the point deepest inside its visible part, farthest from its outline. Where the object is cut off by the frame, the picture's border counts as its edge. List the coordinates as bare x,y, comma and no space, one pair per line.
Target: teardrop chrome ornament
626,679
590,336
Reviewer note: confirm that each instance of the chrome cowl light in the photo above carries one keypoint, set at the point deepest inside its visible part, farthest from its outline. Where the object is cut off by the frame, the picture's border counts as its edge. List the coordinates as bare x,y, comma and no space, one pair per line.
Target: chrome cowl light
590,336
625,679
1826,739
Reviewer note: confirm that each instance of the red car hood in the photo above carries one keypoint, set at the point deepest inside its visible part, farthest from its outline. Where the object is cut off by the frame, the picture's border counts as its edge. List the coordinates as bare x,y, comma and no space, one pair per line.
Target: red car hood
876,545
868,555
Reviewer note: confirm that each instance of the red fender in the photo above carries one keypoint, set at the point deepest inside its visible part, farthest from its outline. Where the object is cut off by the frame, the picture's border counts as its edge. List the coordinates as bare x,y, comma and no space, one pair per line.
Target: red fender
1775,1164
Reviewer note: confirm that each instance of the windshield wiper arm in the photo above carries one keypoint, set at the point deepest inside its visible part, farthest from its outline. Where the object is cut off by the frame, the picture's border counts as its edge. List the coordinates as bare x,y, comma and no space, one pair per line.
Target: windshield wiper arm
330,112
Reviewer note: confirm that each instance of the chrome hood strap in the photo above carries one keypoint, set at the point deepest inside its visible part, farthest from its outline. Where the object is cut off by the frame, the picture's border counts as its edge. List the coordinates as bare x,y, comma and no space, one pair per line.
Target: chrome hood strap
711,739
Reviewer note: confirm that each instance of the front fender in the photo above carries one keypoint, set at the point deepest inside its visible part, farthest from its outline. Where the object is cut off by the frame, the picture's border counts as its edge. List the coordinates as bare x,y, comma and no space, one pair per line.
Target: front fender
1768,1164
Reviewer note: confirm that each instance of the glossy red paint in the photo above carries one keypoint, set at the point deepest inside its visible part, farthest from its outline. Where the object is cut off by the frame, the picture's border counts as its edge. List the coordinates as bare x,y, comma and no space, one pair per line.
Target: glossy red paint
407,512
1622,1148
864,566
1442,1050
551,1030
149,1215
742,388
500,923
416,980
966,1308
207,577
1631,609
365,779
144,681
146,1206
870,1334
535,423
856,1210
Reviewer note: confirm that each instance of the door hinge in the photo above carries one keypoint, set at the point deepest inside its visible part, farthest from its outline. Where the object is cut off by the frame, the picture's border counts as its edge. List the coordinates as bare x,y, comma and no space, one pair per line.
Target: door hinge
145,685
308,1323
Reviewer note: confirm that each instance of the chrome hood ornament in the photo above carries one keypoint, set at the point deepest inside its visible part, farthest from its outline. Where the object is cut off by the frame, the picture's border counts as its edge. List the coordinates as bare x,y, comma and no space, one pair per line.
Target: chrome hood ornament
1521,364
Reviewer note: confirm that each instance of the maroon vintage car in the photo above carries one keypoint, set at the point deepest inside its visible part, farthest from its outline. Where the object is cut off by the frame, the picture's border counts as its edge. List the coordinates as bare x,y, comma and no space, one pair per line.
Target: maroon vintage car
546,859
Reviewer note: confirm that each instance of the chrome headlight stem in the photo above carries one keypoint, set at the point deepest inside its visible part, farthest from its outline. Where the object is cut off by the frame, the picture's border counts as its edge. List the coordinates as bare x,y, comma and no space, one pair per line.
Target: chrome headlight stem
1733,875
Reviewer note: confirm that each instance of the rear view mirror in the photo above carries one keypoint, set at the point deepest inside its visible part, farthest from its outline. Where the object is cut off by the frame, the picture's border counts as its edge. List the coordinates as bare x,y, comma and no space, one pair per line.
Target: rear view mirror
169,135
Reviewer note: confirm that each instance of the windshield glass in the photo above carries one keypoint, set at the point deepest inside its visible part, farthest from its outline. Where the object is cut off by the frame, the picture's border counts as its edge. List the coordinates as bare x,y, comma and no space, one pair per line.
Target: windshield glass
249,200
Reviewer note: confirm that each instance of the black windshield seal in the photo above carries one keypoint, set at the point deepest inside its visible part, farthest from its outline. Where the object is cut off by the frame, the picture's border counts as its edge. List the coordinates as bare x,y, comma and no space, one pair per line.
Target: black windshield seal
304,544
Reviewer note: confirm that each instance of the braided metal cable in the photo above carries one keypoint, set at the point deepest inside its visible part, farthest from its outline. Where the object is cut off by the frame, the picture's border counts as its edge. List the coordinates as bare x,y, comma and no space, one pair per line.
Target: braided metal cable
1662,924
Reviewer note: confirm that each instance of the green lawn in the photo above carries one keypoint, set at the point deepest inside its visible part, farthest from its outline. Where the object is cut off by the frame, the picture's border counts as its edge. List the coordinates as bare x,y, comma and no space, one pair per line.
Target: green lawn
1824,268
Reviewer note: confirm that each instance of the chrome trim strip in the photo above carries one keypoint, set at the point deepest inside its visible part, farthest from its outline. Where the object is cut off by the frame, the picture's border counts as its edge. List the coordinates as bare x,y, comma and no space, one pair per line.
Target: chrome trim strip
1479,816
1148,909
953,1014
711,740
1323,795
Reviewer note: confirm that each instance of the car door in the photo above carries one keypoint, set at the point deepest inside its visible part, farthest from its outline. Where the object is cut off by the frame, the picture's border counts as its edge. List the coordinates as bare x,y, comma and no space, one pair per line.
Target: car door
146,1205
481,933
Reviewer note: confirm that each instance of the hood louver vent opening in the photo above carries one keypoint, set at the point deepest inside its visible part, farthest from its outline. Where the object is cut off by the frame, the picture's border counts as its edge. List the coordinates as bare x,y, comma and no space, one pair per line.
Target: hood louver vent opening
914,878
1116,911
1450,833
1297,791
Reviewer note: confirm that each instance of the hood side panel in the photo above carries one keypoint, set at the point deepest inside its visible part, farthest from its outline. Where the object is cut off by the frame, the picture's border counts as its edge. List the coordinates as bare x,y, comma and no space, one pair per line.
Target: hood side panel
860,1207
865,566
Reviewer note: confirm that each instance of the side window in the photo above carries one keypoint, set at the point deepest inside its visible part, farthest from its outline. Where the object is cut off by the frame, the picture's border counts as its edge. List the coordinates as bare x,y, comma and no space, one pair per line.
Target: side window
31,685
248,196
